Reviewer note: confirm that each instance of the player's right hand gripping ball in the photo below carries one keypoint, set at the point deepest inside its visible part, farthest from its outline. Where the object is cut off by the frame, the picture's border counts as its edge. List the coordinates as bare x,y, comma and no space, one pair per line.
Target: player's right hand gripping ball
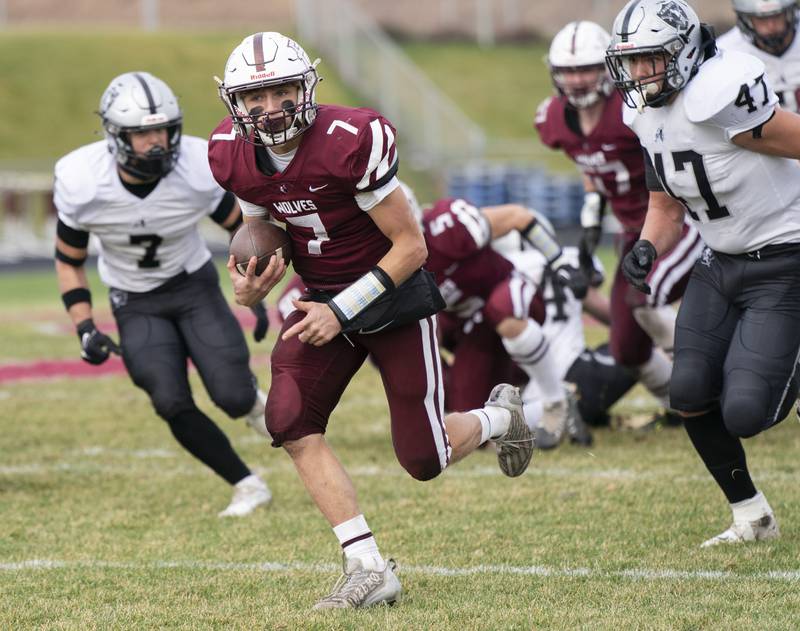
261,239
637,264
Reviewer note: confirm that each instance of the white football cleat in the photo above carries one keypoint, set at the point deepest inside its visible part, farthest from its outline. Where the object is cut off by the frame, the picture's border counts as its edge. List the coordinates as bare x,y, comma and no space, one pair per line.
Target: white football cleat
357,587
248,494
255,418
515,447
766,527
553,426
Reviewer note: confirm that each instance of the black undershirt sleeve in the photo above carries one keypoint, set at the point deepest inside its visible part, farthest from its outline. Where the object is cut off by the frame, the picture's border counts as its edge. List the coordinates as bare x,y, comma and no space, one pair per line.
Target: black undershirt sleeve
650,176
71,236
223,210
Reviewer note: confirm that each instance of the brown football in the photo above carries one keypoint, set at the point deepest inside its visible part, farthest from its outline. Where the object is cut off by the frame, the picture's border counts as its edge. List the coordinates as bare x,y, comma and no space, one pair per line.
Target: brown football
261,239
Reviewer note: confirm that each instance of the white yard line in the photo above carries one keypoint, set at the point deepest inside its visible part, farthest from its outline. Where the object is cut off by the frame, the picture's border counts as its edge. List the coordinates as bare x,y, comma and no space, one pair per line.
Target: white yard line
636,574
85,464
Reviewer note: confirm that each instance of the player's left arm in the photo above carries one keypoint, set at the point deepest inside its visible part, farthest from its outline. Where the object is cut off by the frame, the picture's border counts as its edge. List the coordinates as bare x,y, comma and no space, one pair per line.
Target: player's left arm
395,220
779,136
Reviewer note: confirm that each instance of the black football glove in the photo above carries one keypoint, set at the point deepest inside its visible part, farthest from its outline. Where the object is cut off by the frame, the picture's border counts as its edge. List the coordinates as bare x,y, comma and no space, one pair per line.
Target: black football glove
572,277
637,264
262,321
95,346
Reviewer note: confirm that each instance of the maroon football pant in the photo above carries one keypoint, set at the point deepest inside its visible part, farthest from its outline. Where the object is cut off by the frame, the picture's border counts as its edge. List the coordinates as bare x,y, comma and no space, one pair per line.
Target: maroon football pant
630,345
308,381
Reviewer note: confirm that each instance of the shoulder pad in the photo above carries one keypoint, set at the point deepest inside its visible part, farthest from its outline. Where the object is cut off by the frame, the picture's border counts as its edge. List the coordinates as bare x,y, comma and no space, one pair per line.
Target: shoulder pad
729,39
75,181
718,82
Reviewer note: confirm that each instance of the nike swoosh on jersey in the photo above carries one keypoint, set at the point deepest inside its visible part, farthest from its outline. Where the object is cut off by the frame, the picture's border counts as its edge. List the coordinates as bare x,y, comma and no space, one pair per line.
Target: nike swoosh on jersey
314,189
608,147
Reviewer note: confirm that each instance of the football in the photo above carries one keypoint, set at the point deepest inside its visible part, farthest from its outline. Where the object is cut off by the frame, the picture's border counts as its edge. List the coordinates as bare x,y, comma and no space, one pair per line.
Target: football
261,239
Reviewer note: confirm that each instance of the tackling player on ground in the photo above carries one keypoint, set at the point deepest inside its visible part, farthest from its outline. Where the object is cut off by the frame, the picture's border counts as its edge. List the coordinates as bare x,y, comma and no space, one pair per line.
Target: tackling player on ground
720,150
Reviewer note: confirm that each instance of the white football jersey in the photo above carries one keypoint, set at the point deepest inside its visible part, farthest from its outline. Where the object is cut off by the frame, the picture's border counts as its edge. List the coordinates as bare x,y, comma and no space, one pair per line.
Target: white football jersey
563,323
783,72
142,242
739,200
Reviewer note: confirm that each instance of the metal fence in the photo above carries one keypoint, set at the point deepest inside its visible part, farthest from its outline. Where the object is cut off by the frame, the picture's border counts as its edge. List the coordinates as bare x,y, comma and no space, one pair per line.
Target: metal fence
434,129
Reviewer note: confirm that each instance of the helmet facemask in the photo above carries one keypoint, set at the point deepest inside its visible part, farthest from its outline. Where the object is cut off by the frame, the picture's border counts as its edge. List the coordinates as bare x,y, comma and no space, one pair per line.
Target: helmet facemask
651,90
154,164
581,96
775,44
276,127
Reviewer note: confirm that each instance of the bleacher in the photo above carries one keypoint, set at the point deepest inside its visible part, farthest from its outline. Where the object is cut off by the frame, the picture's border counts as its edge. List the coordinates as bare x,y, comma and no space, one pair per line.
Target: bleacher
558,197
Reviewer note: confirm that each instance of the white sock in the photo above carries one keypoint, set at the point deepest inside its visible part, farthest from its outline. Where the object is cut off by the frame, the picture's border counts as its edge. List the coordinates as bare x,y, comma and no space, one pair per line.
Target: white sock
531,352
357,542
533,410
494,421
655,374
250,480
751,509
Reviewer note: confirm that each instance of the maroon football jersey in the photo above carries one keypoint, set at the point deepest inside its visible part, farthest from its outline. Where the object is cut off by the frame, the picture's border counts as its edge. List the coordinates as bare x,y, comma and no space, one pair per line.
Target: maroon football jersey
610,156
466,268
345,152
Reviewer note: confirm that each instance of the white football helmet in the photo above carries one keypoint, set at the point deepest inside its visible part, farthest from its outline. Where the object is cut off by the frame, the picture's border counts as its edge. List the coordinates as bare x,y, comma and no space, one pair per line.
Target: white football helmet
649,29
138,101
775,43
264,60
580,46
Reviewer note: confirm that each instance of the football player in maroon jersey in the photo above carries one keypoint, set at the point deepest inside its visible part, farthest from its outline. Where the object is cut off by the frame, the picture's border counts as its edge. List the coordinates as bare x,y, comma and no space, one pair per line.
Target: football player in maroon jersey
329,173
584,119
483,289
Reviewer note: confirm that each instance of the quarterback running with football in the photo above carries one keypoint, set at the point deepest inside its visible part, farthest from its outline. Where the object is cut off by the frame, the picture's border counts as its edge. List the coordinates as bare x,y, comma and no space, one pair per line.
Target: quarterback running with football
329,173
721,151
142,193
767,29
584,119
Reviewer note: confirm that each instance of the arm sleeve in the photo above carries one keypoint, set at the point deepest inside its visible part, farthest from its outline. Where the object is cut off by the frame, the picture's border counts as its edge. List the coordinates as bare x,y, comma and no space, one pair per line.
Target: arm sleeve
650,176
72,236
223,209
252,210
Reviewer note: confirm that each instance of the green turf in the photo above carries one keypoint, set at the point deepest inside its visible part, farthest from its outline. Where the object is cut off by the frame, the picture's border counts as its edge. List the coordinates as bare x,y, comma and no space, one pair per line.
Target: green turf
92,480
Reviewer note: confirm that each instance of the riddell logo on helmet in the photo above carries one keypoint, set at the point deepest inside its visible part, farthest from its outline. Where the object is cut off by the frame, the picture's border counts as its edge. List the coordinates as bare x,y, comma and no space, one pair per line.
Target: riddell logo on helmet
624,45
262,75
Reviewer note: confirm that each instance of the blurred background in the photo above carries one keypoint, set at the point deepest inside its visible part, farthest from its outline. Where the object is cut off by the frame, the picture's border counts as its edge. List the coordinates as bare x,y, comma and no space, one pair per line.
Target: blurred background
460,79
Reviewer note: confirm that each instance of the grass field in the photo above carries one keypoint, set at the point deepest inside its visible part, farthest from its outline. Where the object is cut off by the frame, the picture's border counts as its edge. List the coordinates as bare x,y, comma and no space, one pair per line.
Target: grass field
107,524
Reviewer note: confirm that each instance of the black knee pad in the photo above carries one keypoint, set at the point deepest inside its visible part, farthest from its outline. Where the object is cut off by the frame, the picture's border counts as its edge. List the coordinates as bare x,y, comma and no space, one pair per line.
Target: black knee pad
169,402
689,389
747,407
234,398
